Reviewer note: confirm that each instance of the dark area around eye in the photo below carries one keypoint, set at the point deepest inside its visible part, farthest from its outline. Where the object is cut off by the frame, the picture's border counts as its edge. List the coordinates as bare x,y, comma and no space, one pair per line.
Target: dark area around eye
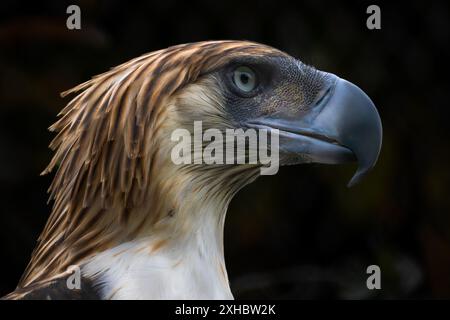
263,69
233,88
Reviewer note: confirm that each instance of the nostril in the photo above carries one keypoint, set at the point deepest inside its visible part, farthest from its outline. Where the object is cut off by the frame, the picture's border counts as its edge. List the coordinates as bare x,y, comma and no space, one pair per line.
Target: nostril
323,94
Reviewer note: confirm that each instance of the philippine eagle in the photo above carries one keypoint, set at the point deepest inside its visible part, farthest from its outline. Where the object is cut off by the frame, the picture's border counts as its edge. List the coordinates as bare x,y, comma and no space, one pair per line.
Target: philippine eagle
139,226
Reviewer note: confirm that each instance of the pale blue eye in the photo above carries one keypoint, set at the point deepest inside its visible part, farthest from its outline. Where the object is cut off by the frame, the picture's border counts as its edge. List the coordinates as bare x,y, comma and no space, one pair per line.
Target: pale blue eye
244,78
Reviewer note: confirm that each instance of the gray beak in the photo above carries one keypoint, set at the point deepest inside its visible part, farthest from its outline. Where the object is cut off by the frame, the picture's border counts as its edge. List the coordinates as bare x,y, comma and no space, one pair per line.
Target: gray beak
342,126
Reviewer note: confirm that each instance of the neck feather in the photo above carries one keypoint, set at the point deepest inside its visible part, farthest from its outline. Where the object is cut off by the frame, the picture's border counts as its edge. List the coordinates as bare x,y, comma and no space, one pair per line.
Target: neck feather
181,257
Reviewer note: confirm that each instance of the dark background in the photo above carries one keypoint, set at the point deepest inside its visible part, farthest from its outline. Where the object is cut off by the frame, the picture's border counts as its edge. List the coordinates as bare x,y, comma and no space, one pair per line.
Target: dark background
301,233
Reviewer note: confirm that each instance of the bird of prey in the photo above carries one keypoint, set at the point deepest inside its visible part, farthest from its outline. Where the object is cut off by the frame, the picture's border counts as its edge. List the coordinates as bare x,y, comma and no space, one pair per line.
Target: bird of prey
138,226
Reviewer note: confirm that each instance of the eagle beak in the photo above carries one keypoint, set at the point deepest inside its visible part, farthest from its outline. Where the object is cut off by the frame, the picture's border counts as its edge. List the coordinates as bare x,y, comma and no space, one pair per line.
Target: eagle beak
342,126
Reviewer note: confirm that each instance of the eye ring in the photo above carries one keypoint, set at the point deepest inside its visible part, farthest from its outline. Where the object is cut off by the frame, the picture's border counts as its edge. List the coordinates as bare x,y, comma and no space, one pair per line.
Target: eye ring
244,79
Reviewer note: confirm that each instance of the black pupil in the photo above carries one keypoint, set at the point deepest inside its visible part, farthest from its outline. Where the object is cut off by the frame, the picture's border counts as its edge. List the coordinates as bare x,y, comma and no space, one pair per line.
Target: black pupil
245,78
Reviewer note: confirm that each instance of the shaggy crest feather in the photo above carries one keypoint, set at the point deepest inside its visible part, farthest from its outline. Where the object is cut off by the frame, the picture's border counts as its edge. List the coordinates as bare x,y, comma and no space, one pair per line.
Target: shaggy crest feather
106,153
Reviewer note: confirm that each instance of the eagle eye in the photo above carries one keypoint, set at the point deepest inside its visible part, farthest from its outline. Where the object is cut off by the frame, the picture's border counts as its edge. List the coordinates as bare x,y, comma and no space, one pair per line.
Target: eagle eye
244,79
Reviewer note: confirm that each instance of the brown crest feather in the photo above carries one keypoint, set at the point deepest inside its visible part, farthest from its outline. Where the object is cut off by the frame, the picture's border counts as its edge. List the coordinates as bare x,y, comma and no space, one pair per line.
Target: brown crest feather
105,149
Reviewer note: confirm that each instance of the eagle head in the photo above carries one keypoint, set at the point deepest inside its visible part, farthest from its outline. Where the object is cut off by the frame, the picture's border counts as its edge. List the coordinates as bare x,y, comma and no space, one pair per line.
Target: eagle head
117,191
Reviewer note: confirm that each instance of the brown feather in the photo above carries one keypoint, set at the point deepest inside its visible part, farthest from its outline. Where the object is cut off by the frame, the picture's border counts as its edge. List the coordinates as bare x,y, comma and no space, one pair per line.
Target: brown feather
107,144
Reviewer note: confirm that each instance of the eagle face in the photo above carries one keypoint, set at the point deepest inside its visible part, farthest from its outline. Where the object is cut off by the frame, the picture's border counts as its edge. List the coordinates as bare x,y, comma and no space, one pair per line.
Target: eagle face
256,87
321,118
139,226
